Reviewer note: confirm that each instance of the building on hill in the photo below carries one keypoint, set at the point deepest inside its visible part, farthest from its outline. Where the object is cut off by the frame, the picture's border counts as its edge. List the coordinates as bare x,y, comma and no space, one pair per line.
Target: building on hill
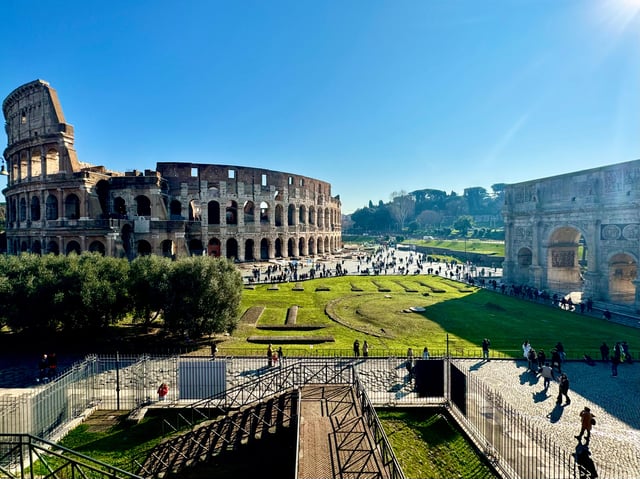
58,204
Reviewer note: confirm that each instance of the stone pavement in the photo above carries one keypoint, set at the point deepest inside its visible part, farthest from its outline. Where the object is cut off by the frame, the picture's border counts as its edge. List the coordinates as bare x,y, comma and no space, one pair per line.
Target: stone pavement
615,402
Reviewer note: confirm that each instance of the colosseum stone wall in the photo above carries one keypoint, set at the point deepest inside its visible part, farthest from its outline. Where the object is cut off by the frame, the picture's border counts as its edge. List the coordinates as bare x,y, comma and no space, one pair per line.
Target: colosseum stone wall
57,204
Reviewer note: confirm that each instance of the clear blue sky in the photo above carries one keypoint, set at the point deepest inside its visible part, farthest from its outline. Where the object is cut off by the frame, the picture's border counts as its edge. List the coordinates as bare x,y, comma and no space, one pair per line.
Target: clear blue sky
371,96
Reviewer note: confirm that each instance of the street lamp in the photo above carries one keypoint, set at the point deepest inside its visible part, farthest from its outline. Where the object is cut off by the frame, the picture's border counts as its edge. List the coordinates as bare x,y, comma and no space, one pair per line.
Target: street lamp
3,170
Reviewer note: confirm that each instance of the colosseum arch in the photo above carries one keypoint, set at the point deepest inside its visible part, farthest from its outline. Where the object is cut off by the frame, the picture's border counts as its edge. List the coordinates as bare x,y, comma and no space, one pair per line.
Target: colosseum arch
36,247
249,212
232,248
291,215
72,207
51,207
175,210
213,213
231,212
279,215
265,247
249,250
36,163
97,247
578,232
73,247
214,247
278,248
144,248
52,161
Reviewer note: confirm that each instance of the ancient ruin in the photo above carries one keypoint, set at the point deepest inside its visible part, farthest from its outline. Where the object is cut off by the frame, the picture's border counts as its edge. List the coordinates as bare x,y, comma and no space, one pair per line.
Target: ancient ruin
58,204
577,232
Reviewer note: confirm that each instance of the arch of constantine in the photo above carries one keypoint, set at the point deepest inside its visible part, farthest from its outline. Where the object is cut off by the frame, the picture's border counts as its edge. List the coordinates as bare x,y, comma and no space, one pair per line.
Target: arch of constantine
57,204
577,232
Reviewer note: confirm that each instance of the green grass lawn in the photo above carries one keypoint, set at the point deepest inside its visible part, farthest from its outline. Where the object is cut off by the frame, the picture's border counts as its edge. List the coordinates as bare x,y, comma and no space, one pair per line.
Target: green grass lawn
472,245
427,444
373,308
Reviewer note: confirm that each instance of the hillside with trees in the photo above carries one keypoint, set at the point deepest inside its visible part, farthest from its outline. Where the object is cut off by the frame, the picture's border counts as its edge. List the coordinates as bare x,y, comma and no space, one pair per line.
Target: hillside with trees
432,212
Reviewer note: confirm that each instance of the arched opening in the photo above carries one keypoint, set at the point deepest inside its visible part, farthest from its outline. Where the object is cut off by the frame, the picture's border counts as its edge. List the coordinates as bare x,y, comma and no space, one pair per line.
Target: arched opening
167,249
232,249
302,247
279,215
51,208
213,248
320,218
319,246
213,213
231,213
302,213
194,211
248,250
291,247
312,244
35,208
73,247
24,247
563,268
175,210
52,248
119,207
52,162
264,212
97,247
623,271
72,207
312,215
327,219
249,212
144,248
36,163
291,214
195,247
36,247
278,248
264,249
143,206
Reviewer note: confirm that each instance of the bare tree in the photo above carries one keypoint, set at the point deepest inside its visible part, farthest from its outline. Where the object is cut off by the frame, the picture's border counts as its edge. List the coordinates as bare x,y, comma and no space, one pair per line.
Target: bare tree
402,207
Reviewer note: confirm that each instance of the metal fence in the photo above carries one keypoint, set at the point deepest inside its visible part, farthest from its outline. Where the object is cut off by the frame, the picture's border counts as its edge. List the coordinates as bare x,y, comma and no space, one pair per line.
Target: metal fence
509,440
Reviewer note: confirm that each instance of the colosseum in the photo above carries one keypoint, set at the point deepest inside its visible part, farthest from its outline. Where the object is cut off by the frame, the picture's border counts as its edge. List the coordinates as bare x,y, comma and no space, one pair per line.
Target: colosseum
58,204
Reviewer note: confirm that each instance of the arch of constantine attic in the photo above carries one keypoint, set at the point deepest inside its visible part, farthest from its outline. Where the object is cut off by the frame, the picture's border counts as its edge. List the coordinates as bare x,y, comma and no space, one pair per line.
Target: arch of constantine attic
57,204
577,232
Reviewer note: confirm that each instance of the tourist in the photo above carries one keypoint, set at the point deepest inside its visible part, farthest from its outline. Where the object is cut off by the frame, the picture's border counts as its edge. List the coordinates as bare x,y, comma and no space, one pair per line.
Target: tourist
547,375
356,348
269,355
365,349
425,353
485,348
563,390
588,421
163,390
604,352
615,360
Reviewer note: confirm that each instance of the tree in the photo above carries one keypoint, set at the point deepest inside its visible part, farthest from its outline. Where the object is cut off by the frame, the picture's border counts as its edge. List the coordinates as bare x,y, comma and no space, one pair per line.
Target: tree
463,224
148,286
429,218
203,297
402,207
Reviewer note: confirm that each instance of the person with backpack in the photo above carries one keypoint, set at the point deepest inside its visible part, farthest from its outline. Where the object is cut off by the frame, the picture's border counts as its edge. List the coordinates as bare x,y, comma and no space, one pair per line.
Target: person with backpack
588,421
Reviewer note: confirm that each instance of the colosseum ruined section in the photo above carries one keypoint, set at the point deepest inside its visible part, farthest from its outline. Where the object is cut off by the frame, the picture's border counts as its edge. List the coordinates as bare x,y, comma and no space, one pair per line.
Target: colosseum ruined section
57,204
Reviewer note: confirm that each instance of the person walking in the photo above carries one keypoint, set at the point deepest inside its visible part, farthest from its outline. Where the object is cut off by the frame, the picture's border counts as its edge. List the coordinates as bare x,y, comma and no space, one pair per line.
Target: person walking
485,348
615,359
365,349
604,352
587,418
356,348
563,390
546,372
269,355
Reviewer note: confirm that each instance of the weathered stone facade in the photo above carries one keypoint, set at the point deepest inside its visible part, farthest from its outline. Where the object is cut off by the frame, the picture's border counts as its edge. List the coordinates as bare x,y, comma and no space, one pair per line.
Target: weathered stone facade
577,232
57,204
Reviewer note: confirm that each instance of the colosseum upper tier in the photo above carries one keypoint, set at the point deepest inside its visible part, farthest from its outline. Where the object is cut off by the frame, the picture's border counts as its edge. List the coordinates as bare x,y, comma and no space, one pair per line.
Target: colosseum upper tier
57,204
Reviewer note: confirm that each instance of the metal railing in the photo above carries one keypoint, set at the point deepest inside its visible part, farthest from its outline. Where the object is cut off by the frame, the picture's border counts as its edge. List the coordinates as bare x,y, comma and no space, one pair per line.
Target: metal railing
508,439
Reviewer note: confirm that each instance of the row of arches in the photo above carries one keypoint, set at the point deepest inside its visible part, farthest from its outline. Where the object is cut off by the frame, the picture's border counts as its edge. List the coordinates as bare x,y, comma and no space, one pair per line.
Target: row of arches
38,162
232,248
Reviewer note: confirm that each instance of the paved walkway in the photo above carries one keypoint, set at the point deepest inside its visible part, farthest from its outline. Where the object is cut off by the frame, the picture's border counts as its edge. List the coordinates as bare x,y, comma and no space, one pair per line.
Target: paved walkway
615,401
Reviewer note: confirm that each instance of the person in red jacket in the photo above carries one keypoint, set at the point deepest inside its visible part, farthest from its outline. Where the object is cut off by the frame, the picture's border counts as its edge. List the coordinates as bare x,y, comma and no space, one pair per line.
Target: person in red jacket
163,390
